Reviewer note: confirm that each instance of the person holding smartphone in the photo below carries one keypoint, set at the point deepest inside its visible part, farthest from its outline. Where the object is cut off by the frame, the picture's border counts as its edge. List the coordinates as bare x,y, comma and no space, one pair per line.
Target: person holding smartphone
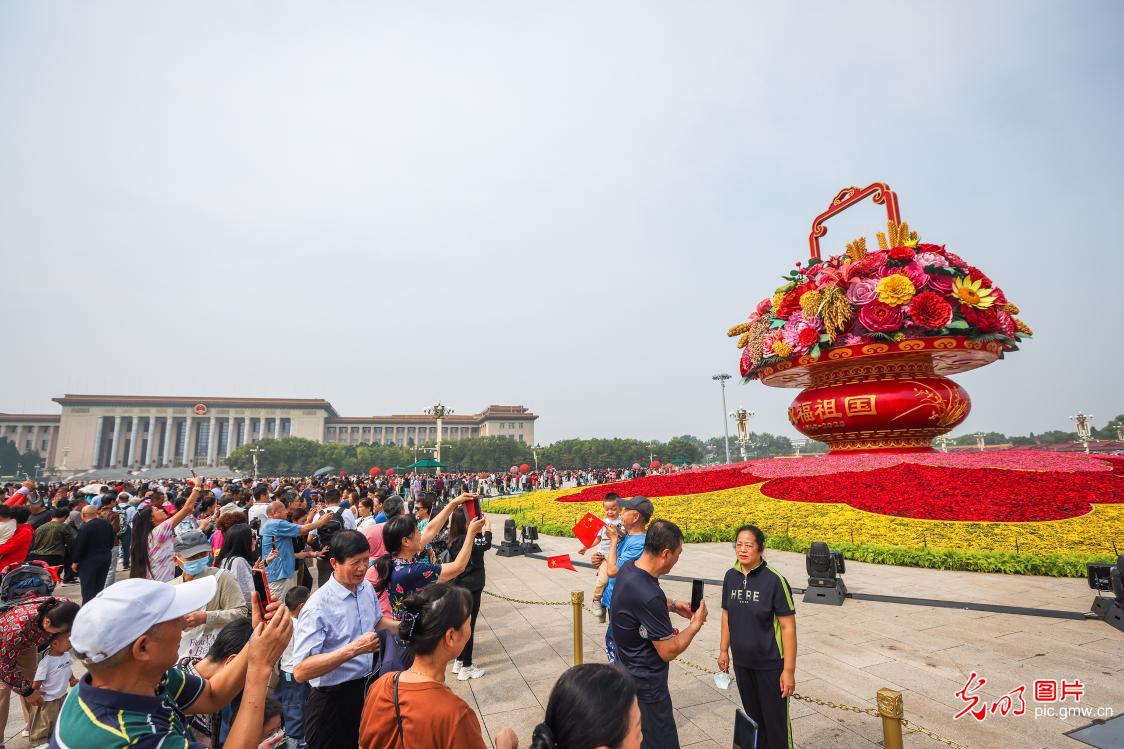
472,579
759,625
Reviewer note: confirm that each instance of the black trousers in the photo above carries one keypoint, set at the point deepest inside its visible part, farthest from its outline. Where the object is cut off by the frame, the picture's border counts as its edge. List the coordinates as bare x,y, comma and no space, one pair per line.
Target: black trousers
466,654
760,690
331,715
92,572
657,719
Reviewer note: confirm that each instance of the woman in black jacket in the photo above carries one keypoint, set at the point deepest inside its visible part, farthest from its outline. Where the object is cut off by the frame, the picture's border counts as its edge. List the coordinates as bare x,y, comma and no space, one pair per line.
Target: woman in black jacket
472,579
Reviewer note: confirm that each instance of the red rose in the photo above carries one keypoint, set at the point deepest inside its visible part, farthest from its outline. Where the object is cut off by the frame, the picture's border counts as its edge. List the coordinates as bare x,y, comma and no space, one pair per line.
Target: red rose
983,320
1007,324
764,306
976,274
930,311
902,253
937,248
809,337
791,301
954,260
879,317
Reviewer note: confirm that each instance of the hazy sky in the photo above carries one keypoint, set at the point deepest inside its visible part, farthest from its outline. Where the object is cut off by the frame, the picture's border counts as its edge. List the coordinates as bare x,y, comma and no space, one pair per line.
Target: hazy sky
562,205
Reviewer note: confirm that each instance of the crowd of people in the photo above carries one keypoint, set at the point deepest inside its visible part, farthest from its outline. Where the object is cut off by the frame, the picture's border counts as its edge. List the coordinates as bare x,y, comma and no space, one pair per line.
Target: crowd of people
327,612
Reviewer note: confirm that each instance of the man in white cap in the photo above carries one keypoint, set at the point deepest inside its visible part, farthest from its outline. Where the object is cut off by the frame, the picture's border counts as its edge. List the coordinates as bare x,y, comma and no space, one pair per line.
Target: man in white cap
127,637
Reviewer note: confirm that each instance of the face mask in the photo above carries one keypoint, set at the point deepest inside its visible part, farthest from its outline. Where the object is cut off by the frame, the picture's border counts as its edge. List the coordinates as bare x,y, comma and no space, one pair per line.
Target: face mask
196,566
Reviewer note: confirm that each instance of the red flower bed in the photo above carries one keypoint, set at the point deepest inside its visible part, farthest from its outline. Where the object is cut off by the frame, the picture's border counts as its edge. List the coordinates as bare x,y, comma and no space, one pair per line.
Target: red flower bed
936,493
669,485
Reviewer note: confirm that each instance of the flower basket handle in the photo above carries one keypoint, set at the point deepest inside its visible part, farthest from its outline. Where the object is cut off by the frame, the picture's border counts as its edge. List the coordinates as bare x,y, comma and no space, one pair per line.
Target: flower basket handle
879,192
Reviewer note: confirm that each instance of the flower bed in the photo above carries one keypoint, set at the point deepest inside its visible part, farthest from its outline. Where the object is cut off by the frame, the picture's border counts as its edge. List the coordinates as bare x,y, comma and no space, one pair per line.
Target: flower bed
949,517
669,485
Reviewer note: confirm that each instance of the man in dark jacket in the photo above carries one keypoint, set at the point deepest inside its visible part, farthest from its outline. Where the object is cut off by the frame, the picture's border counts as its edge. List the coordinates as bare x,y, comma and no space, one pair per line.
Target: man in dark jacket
93,550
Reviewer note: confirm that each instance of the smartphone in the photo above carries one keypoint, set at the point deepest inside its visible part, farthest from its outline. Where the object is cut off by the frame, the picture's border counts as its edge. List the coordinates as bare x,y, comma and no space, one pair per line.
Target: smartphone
261,585
696,594
472,508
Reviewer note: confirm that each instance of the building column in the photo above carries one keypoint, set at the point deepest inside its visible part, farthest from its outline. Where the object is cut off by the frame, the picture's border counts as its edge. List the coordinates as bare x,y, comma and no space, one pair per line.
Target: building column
166,456
134,449
212,442
188,455
148,448
116,442
230,435
96,461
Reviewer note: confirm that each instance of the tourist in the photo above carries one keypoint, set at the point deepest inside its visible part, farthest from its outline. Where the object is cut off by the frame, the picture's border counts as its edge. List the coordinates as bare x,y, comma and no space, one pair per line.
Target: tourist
415,708
16,548
229,642
237,556
612,517
591,706
472,580
25,627
332,519
40,512
401,575
92,552
635,514
152,548
759,626
335,644
259,509
193,556
278,533
292,694
127,639
53,677
110,515
645,640
365,514
52,541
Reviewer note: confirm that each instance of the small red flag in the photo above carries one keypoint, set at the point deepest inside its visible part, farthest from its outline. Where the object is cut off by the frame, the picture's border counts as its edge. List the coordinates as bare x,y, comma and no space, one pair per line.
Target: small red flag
562,561
587,528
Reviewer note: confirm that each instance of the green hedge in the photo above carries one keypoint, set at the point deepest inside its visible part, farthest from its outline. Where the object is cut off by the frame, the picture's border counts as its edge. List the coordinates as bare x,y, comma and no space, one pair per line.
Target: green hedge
1011,563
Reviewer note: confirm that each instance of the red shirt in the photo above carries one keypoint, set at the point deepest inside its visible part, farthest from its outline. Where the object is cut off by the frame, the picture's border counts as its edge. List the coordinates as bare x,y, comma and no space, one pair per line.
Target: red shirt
19,630
15,548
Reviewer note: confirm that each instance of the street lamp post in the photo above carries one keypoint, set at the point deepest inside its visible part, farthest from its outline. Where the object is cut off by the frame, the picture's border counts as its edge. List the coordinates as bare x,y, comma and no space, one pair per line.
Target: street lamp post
741,419
254,452
535,452
725,422
1084,425
439,412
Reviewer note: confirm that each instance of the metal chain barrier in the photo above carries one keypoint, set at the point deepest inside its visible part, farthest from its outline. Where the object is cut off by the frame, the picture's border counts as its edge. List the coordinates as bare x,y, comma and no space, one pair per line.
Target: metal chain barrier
796,695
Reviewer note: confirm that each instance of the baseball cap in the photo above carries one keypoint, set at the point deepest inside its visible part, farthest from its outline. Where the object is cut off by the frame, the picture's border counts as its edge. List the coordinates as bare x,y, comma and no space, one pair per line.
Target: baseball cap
643,505
190,543
126,610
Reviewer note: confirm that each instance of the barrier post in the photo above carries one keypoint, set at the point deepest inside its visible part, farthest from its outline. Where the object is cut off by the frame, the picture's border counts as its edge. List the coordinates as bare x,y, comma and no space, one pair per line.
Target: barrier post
577,598
892,710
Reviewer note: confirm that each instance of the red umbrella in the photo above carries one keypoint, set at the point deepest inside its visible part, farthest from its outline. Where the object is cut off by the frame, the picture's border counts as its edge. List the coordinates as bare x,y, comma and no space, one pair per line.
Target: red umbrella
550,468
374,471
655,464
523,468
389,471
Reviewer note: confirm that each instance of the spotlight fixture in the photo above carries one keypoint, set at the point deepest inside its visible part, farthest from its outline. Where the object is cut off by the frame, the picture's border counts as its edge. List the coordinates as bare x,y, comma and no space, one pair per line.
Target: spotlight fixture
510,546
1108,578
530,536
824,567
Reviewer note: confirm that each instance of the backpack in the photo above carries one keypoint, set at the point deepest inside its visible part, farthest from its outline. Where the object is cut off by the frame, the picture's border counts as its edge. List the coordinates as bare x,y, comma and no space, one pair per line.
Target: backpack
22,580
126,526
326,532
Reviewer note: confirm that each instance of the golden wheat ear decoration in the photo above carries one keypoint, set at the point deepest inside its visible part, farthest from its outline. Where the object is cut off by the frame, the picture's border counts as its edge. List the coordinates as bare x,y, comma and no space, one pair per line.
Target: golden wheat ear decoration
744,340
857,250
740,328
882,241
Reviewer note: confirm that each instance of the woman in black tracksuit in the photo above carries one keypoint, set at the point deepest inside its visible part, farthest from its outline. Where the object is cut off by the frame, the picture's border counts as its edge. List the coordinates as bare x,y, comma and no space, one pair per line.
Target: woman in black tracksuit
473,579
759,625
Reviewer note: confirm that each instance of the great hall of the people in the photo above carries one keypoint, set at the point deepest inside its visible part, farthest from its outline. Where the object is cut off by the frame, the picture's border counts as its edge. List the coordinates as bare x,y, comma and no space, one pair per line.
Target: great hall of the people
143,431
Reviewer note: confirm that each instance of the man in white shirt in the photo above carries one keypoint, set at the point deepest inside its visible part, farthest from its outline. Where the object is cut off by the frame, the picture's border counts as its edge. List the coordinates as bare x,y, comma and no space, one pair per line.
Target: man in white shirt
261,504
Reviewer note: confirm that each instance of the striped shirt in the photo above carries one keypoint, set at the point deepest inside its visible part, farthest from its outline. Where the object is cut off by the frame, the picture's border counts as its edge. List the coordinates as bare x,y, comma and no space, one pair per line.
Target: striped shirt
93,718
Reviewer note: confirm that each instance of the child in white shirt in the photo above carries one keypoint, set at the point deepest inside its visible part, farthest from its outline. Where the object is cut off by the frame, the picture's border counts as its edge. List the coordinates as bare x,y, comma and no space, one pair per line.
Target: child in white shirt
53,678
612,517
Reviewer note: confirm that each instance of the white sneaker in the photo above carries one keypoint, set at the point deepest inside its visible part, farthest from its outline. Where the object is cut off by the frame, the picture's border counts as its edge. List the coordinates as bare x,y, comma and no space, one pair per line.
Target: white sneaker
457,666
469,672
25,732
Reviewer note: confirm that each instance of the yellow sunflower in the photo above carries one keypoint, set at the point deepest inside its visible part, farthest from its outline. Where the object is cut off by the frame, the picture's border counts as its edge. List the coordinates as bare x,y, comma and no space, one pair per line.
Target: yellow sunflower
970,293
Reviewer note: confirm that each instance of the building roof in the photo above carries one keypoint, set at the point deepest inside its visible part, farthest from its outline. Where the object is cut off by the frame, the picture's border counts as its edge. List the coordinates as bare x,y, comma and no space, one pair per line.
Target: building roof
53,418
514,413
163,400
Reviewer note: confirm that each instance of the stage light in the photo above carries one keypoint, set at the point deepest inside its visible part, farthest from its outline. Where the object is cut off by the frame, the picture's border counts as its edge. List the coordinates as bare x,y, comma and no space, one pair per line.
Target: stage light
1108,578
824,567
510,547
530,536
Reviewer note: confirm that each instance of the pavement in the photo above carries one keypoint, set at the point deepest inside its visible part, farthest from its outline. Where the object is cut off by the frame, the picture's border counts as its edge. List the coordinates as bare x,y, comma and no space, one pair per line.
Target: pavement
845,654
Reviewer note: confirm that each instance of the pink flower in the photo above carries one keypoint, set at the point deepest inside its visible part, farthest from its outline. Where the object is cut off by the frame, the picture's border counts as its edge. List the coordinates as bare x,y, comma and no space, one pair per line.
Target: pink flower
849,340
862,291
879,317
932,258
829,277
798,332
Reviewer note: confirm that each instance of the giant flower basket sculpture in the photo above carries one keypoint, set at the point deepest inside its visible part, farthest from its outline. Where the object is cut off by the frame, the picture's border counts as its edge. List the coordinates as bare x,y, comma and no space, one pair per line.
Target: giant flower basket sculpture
871,336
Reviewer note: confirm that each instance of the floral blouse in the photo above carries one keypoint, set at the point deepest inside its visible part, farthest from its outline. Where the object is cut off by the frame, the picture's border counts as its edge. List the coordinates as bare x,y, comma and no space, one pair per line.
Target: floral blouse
406,576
